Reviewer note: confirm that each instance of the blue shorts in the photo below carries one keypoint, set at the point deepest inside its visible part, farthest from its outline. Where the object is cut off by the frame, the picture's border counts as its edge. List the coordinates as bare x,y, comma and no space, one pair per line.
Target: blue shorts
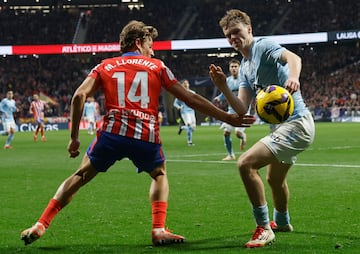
39,121
108,148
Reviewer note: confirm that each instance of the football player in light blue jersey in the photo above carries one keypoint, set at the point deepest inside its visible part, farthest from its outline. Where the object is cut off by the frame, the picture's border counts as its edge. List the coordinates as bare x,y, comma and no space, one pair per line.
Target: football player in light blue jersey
7,109
265,62
233,82
89,114
187,114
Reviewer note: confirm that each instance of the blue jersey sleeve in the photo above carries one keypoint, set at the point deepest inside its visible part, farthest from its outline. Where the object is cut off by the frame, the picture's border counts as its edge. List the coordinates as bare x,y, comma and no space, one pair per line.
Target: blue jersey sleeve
176,103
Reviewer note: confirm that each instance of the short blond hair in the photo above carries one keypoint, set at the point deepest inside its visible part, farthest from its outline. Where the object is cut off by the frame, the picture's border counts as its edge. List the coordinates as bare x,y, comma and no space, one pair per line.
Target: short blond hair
234,16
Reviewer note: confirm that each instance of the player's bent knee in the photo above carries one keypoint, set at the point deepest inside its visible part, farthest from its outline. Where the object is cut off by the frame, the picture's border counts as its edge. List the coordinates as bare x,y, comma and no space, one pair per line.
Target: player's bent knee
159,171
244,165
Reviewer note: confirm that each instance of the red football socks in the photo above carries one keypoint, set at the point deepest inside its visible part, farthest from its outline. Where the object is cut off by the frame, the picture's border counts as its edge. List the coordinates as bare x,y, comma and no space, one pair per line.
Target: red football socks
50,212
159,209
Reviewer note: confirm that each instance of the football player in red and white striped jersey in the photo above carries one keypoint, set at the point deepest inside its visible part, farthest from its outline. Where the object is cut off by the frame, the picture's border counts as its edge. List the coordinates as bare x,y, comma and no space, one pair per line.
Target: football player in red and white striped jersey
37,108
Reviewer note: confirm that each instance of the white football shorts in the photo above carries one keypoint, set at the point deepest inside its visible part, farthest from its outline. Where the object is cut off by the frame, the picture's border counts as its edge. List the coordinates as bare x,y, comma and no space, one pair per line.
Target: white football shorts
7,125
189,119
228,128
290,138
90,119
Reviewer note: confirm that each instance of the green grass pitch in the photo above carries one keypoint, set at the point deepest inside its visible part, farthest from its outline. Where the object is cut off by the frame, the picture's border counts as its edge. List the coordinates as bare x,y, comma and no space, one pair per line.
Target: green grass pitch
207,204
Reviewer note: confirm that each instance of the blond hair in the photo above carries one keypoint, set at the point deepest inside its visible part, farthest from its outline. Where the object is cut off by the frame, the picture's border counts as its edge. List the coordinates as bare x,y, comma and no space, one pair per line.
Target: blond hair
234,16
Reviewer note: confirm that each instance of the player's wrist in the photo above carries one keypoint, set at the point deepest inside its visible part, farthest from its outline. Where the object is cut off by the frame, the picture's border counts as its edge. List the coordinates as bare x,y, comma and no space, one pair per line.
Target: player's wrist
74,136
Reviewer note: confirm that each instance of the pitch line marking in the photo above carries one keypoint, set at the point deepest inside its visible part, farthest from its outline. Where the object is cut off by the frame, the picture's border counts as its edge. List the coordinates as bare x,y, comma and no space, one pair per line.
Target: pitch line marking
333,148
310,148
326,165
296,164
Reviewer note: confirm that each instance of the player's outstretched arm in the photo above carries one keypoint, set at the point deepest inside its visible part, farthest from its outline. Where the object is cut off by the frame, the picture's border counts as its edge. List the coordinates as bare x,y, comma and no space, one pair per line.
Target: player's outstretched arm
204,106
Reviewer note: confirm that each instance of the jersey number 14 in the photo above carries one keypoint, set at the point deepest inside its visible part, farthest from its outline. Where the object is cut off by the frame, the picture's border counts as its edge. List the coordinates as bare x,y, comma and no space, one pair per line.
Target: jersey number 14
140,82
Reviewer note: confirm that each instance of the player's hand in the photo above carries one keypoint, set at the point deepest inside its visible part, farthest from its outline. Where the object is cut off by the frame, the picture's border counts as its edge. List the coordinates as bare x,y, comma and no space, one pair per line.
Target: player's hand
292,85
241,121
73,148
217,76
216,100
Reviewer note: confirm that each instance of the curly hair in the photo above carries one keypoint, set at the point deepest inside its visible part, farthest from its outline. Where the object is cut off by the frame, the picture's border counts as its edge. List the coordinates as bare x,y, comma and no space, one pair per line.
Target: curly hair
132,31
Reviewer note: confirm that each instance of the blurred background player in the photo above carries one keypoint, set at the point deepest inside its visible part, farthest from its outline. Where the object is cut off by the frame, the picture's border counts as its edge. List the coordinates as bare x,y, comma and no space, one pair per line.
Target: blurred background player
90,114
233,83
160,118
130,128
7,109
37,108
265,62
187,115
97,115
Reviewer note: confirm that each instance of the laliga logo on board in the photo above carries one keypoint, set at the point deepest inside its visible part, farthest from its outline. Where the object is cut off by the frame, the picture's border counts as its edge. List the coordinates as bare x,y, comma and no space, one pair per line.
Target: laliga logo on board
348,35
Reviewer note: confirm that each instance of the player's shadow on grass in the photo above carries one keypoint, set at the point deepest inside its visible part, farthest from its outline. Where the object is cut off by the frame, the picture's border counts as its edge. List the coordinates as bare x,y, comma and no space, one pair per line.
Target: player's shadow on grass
230,244
210,245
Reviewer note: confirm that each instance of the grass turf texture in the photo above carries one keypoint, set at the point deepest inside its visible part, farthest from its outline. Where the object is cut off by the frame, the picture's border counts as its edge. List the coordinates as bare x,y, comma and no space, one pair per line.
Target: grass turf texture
208,203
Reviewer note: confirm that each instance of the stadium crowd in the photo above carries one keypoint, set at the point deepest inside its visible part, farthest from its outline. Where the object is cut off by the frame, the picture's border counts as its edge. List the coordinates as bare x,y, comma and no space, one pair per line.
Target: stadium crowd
330,77
186,19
